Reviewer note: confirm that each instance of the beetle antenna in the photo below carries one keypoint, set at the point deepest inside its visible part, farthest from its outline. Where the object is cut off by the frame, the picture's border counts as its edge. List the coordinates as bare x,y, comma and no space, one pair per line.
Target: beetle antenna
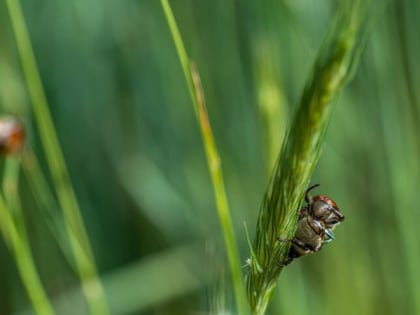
307,198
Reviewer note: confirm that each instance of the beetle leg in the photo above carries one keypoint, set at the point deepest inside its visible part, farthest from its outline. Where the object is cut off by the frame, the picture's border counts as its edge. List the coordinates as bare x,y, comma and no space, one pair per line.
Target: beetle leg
291,255
329,236
298,243
286,262
303,212
304,246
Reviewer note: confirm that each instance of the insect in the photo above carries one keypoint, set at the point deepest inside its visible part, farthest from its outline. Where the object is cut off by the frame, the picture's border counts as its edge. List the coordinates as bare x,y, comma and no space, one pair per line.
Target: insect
321,208
316,221
12,135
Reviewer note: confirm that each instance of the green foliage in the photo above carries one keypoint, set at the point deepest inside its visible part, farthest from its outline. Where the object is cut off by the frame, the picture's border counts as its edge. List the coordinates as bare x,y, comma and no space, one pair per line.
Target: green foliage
124,120
338,55
193,80
73,221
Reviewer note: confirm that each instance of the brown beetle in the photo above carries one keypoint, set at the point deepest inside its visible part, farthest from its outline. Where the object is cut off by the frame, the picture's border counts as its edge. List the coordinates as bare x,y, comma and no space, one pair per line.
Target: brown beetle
314,228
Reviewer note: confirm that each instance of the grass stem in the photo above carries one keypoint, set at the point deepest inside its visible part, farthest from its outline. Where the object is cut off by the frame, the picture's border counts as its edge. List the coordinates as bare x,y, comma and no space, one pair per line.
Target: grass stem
301,149
79,241
18,244
213,159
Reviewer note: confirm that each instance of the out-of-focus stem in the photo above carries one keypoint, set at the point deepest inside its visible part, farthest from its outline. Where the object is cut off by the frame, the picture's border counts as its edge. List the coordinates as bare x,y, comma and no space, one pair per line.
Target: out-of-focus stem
79,240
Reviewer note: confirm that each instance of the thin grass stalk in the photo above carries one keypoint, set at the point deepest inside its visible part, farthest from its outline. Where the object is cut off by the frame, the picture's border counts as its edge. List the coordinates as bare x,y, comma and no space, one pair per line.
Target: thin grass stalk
10,189
46,203
180,48
19,246
213,160
79,241
272,105
301,149
214,163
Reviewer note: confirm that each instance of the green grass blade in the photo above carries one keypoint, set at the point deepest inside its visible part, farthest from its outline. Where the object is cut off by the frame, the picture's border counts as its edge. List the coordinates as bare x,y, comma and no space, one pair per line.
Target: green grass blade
65,193
19,246
11,190
213,160
180,48
335,63
214,163
46,203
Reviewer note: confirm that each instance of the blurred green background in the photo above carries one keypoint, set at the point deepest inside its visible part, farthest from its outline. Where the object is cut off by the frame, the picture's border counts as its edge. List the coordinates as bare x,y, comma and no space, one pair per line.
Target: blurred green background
135,156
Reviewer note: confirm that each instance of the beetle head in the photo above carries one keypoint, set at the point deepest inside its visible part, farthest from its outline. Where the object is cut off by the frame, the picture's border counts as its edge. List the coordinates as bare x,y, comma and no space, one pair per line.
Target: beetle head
323,209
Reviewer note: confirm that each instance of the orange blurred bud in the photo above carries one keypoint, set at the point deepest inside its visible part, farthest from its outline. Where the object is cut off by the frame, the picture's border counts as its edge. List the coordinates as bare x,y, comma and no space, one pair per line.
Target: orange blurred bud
12,135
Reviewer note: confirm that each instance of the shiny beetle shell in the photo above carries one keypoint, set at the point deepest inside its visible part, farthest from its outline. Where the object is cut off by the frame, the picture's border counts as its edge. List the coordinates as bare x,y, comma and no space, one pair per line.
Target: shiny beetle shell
311,233
309,238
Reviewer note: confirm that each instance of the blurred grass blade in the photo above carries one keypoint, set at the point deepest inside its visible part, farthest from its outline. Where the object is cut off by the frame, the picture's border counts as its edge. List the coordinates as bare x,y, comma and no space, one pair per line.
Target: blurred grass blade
11,191
46,203
335,64
272,102
136,288
214,163
19,246
213,159
66,196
